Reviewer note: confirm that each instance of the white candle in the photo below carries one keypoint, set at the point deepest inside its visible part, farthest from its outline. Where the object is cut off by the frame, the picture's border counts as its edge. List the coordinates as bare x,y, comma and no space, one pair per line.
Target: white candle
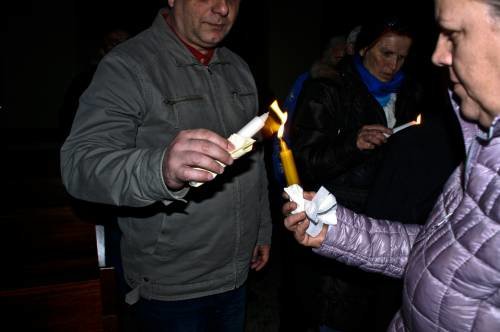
242,140
253,127
406,125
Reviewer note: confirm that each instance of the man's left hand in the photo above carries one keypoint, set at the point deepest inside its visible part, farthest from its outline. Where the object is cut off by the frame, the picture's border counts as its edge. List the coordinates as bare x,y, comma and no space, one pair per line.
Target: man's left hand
260,256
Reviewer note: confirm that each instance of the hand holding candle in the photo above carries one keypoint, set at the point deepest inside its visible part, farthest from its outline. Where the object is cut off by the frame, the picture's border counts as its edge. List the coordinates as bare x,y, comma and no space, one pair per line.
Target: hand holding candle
242,140
406,125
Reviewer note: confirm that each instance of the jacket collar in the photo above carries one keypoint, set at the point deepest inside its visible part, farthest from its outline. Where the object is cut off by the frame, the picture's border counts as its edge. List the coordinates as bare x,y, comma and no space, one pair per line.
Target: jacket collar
493,131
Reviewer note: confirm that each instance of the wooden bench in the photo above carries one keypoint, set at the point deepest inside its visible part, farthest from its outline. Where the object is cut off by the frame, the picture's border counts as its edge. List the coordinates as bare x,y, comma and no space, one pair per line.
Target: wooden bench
51,280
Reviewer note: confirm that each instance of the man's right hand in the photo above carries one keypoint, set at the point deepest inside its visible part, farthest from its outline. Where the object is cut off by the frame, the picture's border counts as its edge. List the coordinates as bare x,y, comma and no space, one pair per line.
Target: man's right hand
191,149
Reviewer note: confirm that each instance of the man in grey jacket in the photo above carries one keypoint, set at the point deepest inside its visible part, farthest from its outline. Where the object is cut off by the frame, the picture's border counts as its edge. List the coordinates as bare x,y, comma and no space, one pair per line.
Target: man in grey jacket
156,117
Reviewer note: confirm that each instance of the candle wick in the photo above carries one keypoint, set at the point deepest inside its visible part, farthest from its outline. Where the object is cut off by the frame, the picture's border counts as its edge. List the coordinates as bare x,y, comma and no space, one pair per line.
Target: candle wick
283,144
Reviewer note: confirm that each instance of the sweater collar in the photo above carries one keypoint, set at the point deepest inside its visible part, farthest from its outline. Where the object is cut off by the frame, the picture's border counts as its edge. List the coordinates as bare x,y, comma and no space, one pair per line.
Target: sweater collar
494,130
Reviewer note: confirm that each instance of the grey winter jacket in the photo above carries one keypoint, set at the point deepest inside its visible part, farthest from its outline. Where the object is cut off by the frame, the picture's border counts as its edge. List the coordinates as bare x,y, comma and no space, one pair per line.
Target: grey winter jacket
175,245
451,265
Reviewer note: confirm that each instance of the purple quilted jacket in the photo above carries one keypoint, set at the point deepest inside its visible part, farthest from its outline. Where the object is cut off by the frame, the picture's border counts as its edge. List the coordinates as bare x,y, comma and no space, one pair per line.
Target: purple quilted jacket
451,265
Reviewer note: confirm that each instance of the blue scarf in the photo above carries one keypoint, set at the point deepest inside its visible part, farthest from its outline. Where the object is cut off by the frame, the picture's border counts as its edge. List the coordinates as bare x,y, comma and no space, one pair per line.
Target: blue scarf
380,90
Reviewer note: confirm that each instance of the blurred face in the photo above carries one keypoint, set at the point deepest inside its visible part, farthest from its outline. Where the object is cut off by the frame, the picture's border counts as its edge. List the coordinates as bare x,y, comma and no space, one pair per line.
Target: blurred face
469,44
338,52
384,59
203,23
114,38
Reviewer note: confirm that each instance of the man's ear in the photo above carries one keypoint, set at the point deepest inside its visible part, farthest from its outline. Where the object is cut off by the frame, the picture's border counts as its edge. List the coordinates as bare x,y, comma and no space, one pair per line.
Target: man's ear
362,51
171,3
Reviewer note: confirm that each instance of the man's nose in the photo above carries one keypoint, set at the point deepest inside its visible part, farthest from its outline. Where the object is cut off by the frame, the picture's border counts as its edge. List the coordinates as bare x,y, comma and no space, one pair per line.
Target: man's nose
221,7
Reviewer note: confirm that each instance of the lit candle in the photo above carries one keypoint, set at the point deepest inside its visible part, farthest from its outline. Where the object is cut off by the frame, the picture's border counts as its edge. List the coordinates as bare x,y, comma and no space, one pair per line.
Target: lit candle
406,125
286,155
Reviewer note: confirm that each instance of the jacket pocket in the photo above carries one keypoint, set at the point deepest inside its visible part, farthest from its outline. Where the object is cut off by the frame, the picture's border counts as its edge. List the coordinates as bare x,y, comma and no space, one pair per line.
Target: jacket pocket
245,101
188,112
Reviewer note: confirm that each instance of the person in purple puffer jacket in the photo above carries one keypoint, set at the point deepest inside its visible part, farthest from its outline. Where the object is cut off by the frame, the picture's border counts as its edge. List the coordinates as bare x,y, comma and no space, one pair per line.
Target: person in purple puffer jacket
450,265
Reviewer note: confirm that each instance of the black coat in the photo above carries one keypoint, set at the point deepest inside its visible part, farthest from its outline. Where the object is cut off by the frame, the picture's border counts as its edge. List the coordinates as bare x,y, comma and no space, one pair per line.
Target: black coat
330,112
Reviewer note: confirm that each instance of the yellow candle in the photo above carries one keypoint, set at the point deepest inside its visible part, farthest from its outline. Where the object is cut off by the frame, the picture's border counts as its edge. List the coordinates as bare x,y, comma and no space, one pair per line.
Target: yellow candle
286,156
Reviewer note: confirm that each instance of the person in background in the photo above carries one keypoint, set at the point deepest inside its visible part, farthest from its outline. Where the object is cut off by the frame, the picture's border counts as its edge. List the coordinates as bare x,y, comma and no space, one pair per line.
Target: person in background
449,265
323,67
112,38
154,119
350,48
80,82
342,122
334,53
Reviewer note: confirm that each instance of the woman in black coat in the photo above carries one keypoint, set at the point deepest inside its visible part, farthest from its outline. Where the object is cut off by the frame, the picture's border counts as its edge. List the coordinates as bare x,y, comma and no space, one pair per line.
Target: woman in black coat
342,121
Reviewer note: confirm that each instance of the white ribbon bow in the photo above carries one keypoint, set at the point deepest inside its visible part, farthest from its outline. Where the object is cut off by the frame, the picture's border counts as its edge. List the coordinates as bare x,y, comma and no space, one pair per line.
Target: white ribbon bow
321,210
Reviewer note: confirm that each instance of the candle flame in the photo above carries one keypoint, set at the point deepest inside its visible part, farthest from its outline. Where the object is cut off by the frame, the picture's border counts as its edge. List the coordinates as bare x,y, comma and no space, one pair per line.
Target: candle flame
286,156
419,119
283,116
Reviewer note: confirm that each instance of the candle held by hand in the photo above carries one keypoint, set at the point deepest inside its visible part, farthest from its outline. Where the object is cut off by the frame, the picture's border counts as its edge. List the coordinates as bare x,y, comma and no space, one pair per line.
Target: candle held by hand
242,140
253,127
288,163
406,125
286,156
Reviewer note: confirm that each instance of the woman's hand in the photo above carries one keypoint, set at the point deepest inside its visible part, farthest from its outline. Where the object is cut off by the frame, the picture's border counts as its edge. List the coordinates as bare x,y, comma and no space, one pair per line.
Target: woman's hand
371,136
297,224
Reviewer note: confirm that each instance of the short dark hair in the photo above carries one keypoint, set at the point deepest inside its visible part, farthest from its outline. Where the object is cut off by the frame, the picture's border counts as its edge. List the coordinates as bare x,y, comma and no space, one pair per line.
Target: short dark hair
372,31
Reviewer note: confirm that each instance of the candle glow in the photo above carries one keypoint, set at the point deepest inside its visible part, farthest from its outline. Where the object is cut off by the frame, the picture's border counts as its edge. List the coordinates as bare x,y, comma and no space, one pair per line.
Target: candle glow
406,125
286,156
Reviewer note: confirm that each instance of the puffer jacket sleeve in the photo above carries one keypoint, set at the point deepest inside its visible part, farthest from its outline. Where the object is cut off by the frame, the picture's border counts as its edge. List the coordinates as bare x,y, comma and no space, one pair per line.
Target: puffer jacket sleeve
372,245
100,161
322,146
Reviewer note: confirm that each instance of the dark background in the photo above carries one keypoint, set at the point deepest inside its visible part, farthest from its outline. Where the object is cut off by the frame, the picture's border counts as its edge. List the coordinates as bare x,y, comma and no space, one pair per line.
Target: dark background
47,43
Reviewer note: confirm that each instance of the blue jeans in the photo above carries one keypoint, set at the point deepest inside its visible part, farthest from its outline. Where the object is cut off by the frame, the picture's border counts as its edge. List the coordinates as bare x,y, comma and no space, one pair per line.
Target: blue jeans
223,312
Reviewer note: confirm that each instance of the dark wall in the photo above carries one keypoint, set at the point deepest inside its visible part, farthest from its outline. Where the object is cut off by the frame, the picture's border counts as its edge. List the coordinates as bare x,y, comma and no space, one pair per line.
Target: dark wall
50,42
38,62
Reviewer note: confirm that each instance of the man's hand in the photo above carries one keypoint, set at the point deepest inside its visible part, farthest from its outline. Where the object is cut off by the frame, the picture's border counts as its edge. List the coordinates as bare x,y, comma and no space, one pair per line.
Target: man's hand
199,148
260,256
297,224
371,136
